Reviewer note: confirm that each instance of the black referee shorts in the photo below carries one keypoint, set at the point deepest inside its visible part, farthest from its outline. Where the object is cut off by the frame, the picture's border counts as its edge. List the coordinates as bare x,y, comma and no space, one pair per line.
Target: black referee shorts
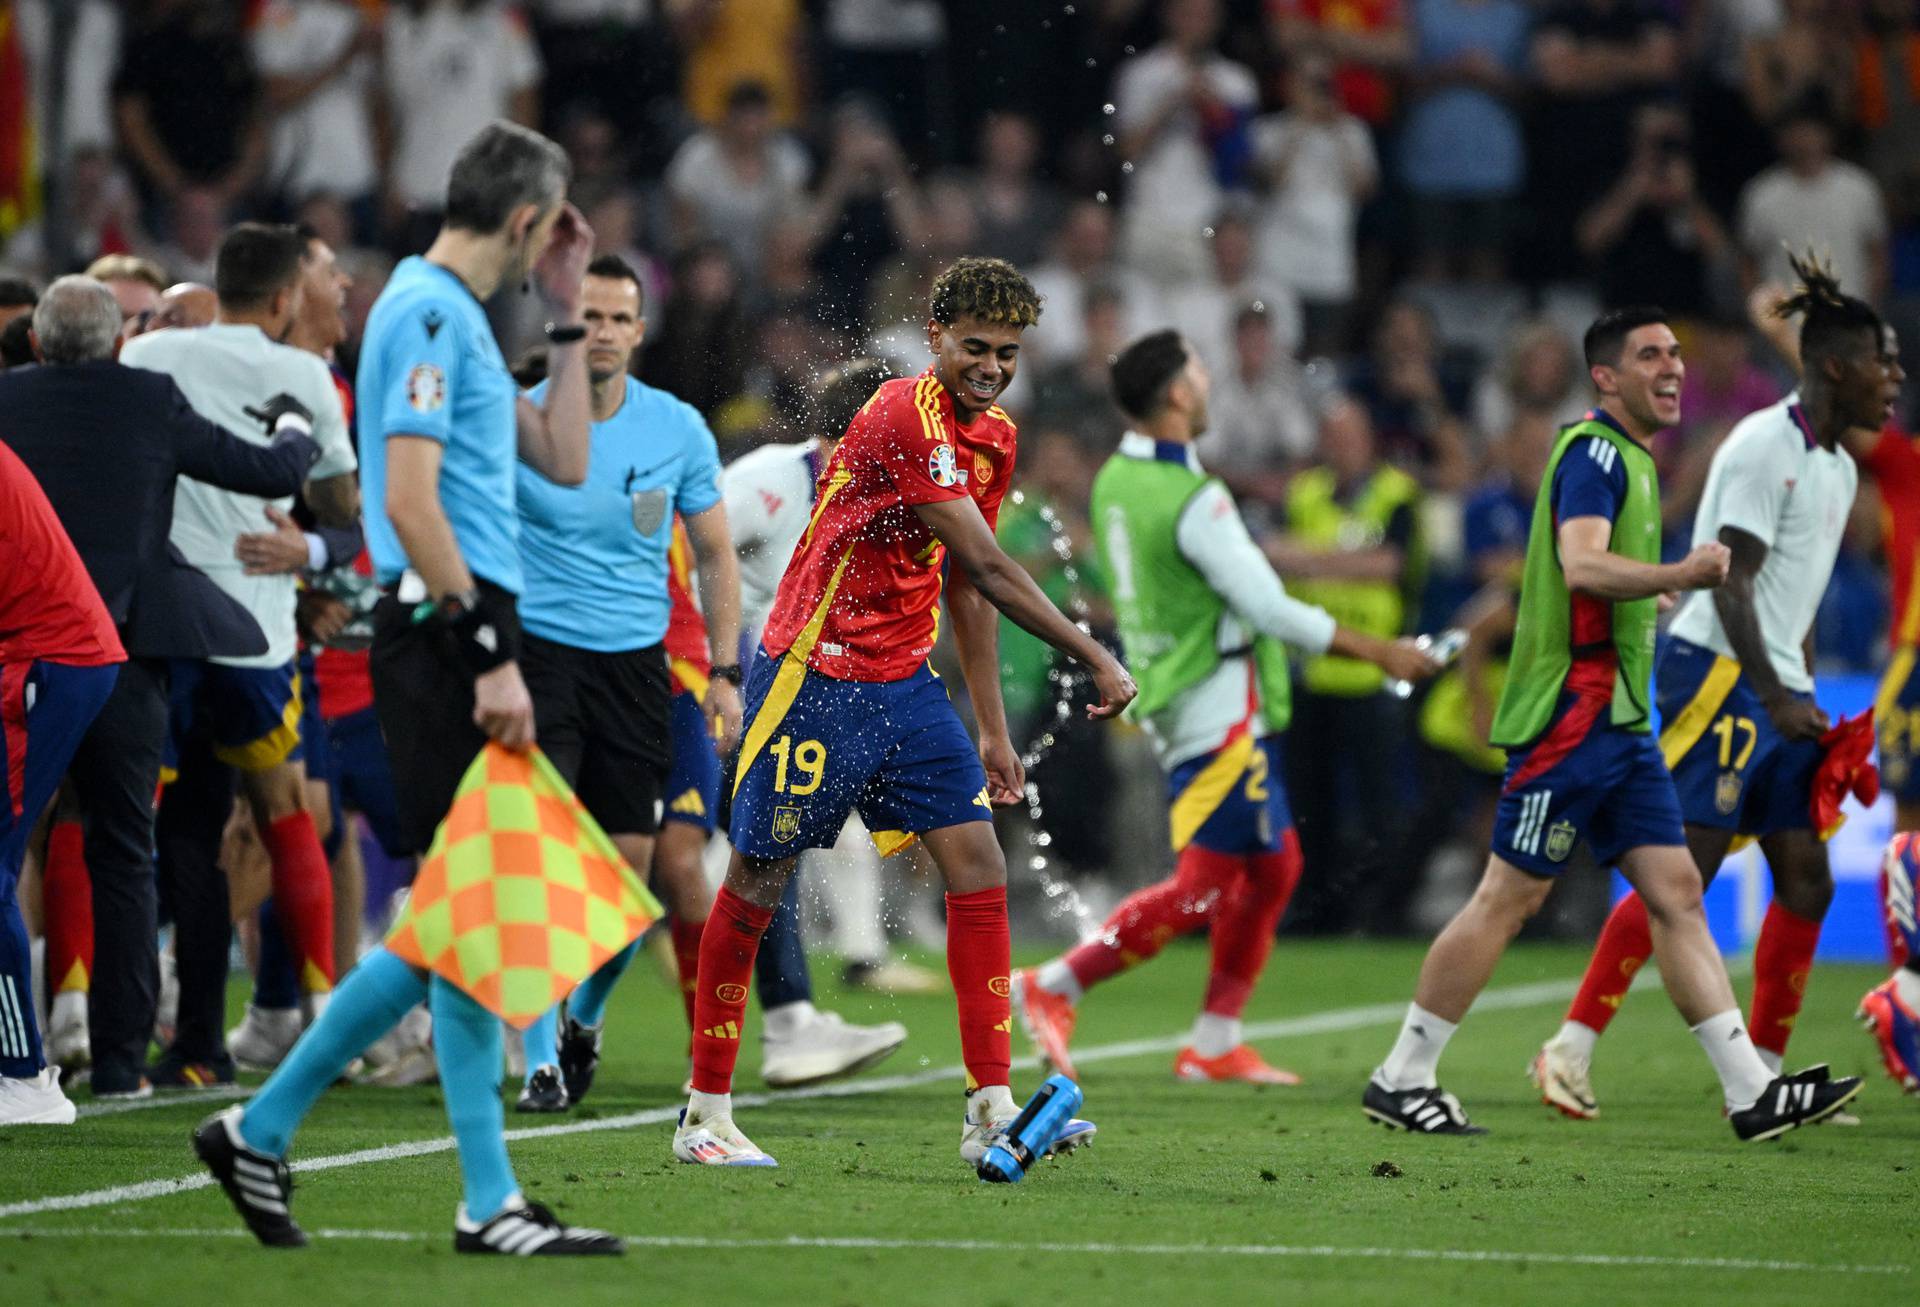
603,720
423,697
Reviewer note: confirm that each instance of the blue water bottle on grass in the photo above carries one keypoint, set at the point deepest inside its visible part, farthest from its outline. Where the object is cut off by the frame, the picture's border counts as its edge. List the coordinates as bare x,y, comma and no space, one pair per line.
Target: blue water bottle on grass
1032,1132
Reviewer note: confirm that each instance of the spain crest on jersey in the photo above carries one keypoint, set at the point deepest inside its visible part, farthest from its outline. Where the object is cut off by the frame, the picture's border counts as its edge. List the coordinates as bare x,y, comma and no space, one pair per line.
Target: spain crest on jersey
1560,837
786,824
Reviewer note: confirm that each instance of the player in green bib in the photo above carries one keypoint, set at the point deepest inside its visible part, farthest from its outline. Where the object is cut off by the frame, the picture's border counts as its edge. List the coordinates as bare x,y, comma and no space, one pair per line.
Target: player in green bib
1206,623
1582,763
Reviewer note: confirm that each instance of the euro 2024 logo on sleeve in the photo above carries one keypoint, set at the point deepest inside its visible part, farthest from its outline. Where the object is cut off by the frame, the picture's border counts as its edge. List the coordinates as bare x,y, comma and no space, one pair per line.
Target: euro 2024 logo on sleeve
426,388
941,466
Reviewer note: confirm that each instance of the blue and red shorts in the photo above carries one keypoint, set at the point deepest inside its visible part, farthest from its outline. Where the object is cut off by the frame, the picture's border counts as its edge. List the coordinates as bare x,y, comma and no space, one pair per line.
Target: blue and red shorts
693,780
1230,800
1584,779
251,715
817,748
1733,770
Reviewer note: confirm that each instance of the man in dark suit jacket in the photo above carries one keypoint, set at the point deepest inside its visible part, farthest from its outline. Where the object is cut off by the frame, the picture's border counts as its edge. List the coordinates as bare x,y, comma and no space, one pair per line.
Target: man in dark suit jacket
107,443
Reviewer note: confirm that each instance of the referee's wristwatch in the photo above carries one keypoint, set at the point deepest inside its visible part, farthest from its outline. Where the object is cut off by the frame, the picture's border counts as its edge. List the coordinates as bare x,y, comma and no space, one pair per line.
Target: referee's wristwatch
566,333
729,672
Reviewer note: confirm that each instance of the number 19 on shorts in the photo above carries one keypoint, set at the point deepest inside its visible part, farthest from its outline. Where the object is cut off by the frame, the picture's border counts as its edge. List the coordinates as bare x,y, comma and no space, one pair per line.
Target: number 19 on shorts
797,768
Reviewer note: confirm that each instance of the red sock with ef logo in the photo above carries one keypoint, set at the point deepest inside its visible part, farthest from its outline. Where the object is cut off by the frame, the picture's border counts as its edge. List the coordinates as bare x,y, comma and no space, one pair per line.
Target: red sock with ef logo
980,960
727,948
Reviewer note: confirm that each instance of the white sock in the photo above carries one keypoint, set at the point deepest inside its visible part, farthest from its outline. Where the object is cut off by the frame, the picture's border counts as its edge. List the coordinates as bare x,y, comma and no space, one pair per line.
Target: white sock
1906,983
705,1107
1743,1076
996,1101
1056,977
1769,1059
1578,1038
784,1022
1415,1058
1214,1035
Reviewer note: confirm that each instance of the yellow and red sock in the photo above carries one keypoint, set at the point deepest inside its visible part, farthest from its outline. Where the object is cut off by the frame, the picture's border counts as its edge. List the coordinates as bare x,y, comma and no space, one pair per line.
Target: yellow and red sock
1782,961
69,910
728,944
686,951
303,897
1626,942
980,963
1244,925
1147,918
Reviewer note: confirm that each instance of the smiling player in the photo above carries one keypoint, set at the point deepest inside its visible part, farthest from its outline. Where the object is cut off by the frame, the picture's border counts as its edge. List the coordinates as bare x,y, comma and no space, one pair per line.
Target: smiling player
843,712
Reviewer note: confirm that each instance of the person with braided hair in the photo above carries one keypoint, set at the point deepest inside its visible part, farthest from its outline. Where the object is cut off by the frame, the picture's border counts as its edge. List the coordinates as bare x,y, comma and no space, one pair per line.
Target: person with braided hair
1742,733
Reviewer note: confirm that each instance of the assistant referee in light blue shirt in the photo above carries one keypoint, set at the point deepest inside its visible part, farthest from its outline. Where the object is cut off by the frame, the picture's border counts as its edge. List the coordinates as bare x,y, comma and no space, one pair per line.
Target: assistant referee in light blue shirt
442,425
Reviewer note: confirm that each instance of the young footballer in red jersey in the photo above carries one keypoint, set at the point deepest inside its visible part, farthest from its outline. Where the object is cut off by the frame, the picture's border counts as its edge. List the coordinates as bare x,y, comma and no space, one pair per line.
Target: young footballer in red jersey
843,712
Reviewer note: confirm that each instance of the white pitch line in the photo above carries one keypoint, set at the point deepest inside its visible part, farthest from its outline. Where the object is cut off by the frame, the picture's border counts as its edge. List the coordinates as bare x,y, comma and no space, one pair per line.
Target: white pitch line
860,1243
189,1098
1354,1018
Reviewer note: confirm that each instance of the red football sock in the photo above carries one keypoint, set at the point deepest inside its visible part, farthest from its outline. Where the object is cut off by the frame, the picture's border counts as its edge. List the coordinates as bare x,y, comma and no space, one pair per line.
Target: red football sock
1146,919
1782,961
1626,942
686,951
980,962
728,942
303,897
68,895
1243,928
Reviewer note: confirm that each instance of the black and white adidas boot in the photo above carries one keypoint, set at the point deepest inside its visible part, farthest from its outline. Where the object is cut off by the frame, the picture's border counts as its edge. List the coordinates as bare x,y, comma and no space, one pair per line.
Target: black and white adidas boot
1430,1111
257,1184
1793,1101
579,1056
543,1092
530,1230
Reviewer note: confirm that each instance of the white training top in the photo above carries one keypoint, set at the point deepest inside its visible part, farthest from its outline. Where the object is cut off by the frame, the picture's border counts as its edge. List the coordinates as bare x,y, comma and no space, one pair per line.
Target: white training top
1213,538
224,370
769,498
1771,479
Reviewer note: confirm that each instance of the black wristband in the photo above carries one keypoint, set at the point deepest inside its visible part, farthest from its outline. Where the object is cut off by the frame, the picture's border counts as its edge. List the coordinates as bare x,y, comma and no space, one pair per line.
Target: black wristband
558,334
729,672
484,637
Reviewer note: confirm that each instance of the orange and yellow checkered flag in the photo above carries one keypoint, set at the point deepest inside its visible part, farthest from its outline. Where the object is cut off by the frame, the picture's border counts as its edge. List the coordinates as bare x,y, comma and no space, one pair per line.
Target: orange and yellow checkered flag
522,895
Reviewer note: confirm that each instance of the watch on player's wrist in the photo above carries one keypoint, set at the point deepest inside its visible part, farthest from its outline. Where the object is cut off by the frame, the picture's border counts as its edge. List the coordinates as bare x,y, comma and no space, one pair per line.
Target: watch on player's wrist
729,672
565,333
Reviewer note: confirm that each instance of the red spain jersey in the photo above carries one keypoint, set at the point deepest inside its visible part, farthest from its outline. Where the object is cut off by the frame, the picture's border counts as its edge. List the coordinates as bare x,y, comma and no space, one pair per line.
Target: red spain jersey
688,658
48,606
1895,464
860,598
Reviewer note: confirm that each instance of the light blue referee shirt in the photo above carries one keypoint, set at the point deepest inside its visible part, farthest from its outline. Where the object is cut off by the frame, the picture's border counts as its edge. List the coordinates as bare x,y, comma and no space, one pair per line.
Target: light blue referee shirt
595,555
429,366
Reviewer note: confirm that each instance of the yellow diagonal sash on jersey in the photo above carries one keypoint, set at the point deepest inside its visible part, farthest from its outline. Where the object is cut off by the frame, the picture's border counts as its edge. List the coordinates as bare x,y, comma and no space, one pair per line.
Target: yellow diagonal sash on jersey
787,681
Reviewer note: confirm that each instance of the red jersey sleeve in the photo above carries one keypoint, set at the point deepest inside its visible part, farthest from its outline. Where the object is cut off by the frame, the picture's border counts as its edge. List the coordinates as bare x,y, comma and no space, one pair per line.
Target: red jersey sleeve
904,432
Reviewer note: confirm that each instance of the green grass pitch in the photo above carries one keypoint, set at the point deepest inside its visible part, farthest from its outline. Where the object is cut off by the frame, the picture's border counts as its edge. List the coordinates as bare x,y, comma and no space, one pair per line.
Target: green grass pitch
1193,1193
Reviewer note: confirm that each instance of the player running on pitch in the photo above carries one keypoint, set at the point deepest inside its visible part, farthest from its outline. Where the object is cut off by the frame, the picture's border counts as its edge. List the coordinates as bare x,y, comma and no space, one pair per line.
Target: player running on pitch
1206,623
1582,763
1741,730
843,712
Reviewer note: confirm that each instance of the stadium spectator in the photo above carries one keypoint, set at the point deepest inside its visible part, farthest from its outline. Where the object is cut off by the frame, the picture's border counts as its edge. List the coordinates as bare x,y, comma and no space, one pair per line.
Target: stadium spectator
1018,209
446,65
601,166
1888,102
17,298
1315,166
1353,547
1651,237
1205,310
700,350
886,52
100,217
730,182
1538,372
1812,199
136,284
68,420
1081,256
615,59
865,209
1261,426
319,61
85,87
196,219
1073,395
1808,56
1469,62
1594,62
187,101
1182,112
1367,42
731,42
1416,395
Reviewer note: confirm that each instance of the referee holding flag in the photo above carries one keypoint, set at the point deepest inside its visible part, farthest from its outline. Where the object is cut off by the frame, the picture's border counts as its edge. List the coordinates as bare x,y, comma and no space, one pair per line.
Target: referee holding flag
442,425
